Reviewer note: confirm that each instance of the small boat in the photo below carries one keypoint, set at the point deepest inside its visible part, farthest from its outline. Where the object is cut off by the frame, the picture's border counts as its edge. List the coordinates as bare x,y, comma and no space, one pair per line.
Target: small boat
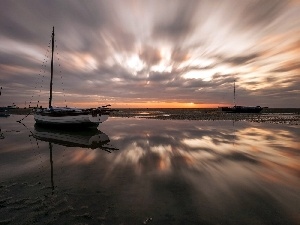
241,109
66,116
3,112
13,106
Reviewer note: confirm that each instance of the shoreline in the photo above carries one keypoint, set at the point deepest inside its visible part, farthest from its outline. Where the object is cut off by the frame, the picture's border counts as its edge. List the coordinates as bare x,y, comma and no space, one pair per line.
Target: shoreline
276,116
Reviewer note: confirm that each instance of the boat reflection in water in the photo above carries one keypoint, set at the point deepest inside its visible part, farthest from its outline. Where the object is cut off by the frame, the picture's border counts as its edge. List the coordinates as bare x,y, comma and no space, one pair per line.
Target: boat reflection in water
1,134
88,138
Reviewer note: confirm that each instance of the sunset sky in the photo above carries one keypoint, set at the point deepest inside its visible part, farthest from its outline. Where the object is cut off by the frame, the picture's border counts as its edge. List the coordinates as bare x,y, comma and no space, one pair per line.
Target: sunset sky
148,53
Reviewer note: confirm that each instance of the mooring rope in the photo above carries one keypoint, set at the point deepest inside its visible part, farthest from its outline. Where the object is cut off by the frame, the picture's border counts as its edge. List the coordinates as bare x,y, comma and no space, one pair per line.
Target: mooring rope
19,121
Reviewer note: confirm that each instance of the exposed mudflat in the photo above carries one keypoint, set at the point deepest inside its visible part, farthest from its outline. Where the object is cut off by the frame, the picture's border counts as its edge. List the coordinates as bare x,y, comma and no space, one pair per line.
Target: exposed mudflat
277,116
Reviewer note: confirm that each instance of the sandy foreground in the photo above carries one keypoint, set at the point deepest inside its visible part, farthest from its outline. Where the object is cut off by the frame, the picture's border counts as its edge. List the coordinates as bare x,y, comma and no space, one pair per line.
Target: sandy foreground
277,116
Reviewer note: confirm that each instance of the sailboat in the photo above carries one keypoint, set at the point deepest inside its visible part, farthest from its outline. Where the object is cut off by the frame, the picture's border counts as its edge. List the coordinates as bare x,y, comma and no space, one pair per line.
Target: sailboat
241,109
67,116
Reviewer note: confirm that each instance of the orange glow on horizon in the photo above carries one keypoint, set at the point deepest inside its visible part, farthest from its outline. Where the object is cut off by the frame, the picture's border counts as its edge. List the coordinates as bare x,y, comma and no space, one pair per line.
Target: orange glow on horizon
145,105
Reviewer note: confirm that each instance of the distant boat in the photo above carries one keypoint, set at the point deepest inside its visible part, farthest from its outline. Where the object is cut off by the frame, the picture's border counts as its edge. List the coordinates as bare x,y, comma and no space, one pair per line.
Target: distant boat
13,106
66,116
241,109
3,112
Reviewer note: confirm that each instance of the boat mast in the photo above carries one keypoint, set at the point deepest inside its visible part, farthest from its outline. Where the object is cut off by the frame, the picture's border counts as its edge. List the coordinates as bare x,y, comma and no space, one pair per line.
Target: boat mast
50,98
234,93
51,164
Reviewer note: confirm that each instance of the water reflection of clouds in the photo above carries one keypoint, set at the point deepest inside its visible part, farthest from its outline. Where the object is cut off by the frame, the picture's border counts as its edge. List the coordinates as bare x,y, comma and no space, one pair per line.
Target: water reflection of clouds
221,143
213,170
81,156
166,146
177,142
279,147
173,145
228,169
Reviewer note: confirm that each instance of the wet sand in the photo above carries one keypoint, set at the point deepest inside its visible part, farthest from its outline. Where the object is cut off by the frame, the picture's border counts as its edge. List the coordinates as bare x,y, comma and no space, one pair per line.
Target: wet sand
34,203
291,117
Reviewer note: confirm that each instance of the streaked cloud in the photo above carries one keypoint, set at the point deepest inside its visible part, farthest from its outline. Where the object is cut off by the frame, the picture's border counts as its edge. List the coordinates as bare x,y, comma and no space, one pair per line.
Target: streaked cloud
132,52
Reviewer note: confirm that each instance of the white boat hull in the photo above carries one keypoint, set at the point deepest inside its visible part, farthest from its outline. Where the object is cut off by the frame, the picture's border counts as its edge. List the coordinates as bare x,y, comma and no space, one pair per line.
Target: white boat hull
88,120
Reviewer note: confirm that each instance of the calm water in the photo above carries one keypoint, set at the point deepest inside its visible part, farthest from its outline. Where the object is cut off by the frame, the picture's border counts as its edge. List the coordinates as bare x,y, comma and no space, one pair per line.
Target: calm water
144,171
